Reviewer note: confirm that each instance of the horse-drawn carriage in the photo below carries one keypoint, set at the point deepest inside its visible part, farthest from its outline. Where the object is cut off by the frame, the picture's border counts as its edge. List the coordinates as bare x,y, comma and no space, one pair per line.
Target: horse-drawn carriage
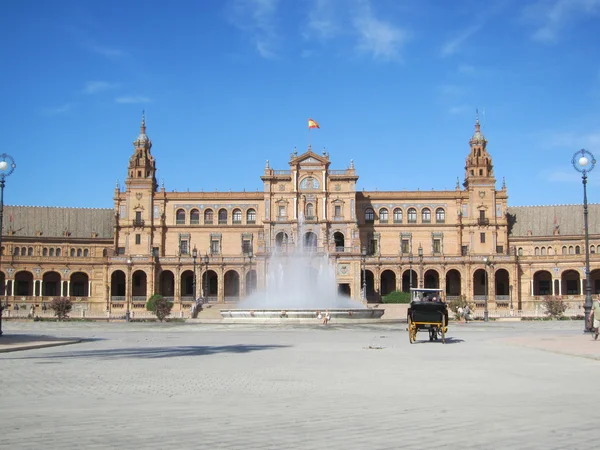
427,312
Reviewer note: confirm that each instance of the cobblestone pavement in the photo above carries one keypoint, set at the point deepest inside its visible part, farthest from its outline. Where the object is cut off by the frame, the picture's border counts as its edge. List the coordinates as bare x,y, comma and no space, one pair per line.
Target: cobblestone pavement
173,386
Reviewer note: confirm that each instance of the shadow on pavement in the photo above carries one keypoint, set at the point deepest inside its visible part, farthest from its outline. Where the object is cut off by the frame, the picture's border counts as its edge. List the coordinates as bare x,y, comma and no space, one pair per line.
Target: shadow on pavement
156,352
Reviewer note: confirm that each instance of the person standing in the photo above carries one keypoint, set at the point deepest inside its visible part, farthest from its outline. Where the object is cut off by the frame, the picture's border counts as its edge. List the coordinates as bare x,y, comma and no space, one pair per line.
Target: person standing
595,317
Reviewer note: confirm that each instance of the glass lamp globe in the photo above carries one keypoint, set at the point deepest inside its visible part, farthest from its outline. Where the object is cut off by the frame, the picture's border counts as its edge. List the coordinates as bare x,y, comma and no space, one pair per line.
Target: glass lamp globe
3,165
583,161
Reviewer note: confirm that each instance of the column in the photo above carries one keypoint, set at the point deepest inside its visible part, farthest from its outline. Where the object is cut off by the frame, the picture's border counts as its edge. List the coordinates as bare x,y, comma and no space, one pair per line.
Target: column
221,286
532,288
68,288
89,288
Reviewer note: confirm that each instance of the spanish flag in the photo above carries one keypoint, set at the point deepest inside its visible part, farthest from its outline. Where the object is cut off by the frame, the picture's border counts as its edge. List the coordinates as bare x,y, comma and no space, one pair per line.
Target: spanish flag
312,124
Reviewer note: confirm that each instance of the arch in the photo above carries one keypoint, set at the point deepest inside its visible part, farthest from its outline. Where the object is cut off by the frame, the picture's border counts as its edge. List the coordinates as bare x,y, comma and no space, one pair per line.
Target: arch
479,280
180,217
194,217
536,252
117,285
577,250
79,252
210,284
369,215
310,240
383,215
502,283
426,215
23,251
543,251
85,252
431,279
571,250
2,284
453,283
564,250
397,215
236,216
440,215
370,284
520,251
51,282
281,240
139,287
72,253
411,215
406,280
208,217
51,252
592,249
251,279
30,251
595,280
23,283
187,285
387,282
571,283
542,283
44,251
79,285
222,216
338,239
251,216
58,252
309,211
166,282
231,286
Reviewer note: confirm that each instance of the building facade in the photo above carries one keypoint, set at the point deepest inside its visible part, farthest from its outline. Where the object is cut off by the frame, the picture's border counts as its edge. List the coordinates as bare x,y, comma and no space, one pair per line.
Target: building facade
184,245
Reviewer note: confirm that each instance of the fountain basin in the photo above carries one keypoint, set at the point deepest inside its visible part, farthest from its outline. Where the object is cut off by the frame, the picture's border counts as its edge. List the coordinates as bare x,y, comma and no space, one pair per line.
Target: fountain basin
359,315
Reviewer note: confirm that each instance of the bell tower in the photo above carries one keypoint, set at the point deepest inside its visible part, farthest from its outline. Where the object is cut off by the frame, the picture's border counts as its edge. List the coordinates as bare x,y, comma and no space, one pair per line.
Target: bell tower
142,167
478,168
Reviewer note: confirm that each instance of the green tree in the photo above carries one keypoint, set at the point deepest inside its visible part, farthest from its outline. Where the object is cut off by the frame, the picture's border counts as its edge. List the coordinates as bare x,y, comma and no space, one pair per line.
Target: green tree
554,306
397,297
160,306
460,302
62,307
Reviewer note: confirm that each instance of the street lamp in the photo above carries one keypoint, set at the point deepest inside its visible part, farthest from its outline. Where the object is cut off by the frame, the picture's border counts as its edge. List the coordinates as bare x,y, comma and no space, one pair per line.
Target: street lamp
583,162
205,284
510,289
129,290
7,166
194,256
487,263
420,265
410,262
364,273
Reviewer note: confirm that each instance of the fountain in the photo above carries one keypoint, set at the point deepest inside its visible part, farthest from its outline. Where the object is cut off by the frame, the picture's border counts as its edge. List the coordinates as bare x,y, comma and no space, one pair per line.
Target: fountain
300,286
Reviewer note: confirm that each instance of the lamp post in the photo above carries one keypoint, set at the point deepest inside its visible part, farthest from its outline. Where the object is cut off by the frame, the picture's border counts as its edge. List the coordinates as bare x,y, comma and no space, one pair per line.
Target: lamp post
7,166
410,261
249,283
194,256
487,262
420,266
129,290
205,284
583,162
364,274
510,289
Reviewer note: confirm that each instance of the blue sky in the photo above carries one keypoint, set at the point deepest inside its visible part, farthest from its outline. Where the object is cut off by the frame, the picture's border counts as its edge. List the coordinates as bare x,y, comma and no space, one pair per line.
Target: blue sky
227,85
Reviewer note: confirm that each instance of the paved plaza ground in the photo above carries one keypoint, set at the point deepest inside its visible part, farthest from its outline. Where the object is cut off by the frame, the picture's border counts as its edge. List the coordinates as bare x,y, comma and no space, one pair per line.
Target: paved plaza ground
216,386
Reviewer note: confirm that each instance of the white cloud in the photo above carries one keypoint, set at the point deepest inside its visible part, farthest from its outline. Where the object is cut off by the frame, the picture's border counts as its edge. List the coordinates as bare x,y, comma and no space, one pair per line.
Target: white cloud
551,17
322,20
58,110
379,38
572,140
93,87
132,99
257,19
460,109
452,46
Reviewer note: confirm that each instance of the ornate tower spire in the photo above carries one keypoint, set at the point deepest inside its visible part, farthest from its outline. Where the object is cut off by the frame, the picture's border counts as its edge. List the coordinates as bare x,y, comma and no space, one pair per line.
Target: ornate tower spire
479,162
141,164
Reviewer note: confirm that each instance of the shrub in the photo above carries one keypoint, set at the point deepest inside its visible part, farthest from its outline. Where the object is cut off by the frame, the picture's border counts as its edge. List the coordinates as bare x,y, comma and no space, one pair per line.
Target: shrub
460,302
62,307
160,306
397,297
554,306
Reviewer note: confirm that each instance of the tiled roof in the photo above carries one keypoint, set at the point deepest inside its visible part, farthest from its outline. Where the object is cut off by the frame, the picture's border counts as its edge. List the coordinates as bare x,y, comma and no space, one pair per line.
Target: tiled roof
54,221
541,220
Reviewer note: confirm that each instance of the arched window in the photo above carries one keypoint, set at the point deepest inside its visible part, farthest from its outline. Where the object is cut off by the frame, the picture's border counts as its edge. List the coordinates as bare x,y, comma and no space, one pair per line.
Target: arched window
520,251
537,251
23,251
564,250
44,252
397,215
571,250
440,215
310,211
412,215
551,251
180,217
72,253
592,249
51,252
369,215
58,252
208,217
383,215
426,215
222,216
86,252
577,250
16,251
195,217
237,216
79,252
251,217
30,251
543,251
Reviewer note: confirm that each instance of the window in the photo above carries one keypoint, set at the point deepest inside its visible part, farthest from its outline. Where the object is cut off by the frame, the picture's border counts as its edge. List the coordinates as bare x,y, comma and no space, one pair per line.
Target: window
437,246
482,238
577,250
564,250
237,216
180,217
397,215
183,247
373,247
544,286
338,211
215,247
222,217
51,252
592,249
79,252
246,246
482,214
426,215
72,253
440,215
138,239
405,246
412,215
30,251
536,252
543,251
251,217
58,252
16,251
499,249
120,250
208,217
369,215
155,251
572,287
138,217
310,211
44,252
86,252
571,250
464,250
24,251
281,211
195,217
383,215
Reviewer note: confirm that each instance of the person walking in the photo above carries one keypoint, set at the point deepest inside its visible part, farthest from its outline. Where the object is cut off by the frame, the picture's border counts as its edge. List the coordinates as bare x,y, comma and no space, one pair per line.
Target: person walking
467,312
595,317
